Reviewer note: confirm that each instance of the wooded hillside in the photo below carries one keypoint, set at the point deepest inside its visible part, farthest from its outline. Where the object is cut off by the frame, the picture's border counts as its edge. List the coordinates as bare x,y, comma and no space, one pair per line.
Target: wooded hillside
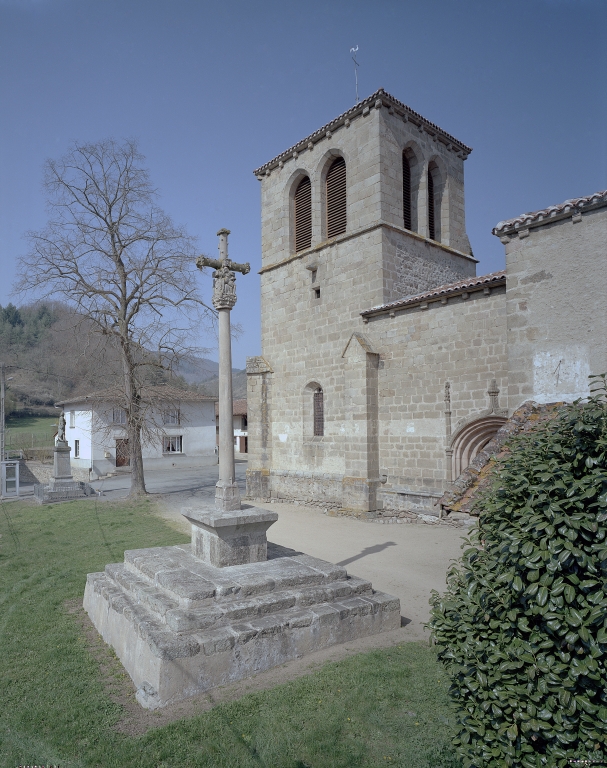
52,353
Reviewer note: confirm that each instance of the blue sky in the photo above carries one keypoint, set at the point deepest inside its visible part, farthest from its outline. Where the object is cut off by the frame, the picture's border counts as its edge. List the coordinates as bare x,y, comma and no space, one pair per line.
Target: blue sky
212,90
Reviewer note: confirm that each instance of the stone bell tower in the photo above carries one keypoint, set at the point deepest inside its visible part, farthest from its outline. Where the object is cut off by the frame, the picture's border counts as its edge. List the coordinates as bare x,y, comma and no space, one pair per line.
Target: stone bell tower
366,210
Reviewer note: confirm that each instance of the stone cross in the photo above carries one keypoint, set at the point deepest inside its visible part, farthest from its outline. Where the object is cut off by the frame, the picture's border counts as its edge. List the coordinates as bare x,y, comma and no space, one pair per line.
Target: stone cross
227,495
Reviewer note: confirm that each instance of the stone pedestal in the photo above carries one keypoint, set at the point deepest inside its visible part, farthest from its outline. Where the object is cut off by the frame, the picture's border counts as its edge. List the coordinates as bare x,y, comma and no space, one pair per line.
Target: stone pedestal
230,538
62,486
62,468
181,626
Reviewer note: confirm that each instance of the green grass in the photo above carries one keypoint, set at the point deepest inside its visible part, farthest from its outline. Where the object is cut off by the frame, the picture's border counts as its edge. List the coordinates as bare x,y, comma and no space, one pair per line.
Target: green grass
387,707
19,431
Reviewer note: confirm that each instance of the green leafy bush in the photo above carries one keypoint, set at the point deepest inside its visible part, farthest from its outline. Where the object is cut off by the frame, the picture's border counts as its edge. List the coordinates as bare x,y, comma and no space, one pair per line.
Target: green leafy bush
522,627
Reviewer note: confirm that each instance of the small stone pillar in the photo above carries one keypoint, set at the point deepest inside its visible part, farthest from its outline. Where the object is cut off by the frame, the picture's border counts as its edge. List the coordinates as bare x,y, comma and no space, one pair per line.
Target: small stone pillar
230,538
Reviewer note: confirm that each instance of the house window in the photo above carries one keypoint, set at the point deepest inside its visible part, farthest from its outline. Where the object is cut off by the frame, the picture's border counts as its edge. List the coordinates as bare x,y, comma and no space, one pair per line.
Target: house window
119,416
406,193
336,198
303,215
172,444
171,416
76,449
319,413
244,423
72,419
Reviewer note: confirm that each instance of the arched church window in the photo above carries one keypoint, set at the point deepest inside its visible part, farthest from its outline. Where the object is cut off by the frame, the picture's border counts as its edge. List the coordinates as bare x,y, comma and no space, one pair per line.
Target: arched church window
406,192
431,203
303,215
319,413
336,198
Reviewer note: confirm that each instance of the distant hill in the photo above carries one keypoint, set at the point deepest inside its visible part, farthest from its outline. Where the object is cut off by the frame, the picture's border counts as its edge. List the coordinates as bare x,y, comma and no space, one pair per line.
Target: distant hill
239,385
52,353
196,370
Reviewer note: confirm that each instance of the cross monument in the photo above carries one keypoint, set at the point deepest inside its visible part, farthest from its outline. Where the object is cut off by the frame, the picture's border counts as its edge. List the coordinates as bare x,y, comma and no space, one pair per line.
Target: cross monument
227,495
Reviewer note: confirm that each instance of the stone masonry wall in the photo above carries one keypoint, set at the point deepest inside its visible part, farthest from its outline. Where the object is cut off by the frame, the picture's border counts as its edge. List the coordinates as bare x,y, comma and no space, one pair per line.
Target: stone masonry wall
462,342
557,321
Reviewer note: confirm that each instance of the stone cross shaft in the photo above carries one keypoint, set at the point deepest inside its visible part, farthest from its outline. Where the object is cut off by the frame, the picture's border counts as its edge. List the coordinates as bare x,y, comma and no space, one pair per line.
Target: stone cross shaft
227,495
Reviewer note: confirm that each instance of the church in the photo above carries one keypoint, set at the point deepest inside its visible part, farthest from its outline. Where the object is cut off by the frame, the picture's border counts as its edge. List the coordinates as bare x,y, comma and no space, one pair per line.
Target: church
387,363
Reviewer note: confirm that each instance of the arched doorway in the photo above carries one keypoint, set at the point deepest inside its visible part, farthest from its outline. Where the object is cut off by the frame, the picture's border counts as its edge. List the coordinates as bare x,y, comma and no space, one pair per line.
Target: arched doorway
470,440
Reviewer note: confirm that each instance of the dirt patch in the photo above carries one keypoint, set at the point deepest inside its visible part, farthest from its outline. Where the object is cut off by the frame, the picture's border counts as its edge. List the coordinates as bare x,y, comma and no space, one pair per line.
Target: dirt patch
136,720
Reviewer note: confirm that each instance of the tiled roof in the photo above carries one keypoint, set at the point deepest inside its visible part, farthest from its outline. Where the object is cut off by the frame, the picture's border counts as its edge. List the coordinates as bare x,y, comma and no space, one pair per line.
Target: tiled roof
547,215
462,286
158,394
385,98
240,408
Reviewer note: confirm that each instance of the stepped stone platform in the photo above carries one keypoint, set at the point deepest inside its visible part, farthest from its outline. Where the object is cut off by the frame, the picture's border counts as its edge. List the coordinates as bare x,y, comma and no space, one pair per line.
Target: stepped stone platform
182,625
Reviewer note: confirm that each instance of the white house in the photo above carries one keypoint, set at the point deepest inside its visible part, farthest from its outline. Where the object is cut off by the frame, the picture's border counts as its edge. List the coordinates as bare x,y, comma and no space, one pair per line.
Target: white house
239,420
183,431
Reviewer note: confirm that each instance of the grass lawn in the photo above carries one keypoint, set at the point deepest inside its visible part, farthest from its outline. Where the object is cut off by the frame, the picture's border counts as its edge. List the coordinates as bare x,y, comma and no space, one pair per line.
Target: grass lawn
387,707
19,431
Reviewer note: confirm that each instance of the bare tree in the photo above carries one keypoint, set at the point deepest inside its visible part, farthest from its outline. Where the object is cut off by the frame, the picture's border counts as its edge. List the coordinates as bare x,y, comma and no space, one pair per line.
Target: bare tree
113,255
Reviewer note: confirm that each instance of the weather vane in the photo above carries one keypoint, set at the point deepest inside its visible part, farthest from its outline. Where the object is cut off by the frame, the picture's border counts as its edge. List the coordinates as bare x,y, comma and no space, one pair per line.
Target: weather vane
354,50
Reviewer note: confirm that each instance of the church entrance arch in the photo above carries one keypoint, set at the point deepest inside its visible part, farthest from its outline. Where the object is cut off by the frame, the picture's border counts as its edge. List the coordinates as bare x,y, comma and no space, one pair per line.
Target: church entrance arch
470,440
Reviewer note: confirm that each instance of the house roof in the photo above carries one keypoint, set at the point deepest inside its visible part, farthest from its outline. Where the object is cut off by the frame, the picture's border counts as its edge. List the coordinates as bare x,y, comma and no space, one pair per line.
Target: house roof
150,393
378,99
493,279
240,408
553,213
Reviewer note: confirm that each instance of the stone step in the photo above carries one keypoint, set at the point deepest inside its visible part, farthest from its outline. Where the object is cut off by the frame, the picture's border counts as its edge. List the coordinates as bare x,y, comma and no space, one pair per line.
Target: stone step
194,584
183,620
163,603
339,618
141,591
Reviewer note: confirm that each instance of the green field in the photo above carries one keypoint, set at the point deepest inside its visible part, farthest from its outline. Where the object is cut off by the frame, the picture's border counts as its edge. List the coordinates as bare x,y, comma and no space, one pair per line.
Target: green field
31,431
387,707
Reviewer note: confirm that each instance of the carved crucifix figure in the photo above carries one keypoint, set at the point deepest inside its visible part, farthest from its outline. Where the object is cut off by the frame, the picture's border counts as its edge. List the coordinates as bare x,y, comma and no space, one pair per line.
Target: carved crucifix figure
227,495
224,279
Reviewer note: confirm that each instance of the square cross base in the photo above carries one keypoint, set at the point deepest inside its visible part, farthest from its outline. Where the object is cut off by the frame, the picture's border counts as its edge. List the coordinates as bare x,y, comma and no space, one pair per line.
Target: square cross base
230,538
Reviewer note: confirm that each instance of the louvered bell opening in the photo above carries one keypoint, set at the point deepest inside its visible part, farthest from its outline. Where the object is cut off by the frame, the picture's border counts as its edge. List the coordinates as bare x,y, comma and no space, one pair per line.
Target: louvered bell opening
303,215
336,198
406,193
431,228
319,413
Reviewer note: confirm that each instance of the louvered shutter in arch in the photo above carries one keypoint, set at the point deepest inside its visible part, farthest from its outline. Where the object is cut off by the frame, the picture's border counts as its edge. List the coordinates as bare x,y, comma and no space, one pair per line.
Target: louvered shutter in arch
303,215
336,198
431,227
406,193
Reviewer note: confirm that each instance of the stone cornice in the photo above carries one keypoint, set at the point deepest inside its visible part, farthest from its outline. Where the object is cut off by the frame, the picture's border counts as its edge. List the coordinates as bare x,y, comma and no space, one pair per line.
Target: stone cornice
377,100
440,294
569,209
357,233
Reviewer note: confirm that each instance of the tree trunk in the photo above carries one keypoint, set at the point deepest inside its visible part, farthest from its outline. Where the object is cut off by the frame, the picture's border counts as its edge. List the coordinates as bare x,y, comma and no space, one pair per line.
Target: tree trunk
137,476
133,425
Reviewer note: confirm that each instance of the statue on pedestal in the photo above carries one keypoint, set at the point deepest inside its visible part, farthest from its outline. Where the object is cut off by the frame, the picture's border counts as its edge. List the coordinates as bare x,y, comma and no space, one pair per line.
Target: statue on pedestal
61,428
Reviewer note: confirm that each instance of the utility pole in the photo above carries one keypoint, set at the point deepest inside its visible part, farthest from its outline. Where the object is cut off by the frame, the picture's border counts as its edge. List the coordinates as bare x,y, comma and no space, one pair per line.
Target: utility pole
2,385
